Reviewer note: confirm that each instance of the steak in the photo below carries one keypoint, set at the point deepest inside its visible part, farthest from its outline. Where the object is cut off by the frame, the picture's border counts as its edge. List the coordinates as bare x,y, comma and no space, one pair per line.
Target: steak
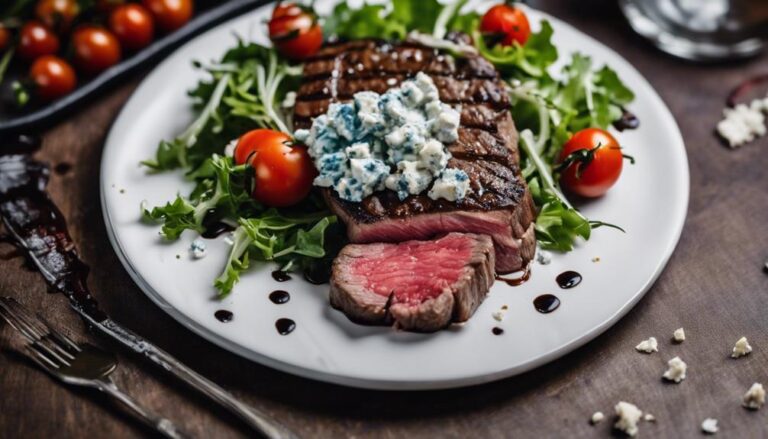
415,285
498,203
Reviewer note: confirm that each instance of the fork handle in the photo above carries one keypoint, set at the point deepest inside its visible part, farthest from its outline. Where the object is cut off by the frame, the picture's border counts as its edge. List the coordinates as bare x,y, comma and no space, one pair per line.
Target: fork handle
160,424
255,418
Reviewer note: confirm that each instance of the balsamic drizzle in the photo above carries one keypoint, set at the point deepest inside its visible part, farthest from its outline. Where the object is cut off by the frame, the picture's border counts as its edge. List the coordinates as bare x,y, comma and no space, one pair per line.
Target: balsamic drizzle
497,331
568,279
517,281
280,276
285,326
546,303
224,316
279,297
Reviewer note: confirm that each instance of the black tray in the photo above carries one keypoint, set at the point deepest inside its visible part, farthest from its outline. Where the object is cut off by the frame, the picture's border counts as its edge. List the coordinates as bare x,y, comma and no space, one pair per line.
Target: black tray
14,120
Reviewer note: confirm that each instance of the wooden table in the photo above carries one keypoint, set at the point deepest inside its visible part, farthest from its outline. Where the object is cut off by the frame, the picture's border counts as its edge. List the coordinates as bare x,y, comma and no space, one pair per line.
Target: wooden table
714,286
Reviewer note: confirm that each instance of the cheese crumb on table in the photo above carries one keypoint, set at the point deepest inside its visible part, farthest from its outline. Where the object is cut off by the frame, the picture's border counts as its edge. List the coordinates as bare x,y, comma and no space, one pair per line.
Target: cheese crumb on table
649,418
498,315
741,348
743,123
597,418
648,346
755,397
709,426
676,371
679,335
629,415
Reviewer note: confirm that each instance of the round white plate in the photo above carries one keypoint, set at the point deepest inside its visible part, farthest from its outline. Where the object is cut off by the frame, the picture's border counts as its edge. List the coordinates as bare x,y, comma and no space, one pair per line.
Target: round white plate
649,201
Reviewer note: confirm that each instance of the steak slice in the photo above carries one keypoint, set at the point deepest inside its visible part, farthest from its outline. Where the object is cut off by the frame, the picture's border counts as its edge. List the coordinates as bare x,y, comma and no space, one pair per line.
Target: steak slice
415,285
498,203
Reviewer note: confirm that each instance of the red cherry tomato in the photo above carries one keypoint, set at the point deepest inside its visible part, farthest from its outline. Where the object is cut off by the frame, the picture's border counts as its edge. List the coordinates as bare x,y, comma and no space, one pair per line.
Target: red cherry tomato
170,14
598,166
133,26
508,22
36,40
5,37
294,31
95,49
108,5
57,14
53,77
284,171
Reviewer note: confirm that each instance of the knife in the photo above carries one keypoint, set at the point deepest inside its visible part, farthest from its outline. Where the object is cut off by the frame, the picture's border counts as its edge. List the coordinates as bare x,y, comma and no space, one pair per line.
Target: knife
38,227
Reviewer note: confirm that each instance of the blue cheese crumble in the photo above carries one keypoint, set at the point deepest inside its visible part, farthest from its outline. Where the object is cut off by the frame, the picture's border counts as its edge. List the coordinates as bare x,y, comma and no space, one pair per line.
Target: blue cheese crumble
394,141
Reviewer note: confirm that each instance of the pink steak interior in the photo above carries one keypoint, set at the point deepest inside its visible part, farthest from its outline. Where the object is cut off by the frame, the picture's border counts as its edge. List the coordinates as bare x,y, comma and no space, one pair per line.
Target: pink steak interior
415,270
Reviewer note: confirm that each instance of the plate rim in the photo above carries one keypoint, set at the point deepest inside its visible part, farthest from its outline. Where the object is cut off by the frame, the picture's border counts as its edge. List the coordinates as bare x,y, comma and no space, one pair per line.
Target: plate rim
683,179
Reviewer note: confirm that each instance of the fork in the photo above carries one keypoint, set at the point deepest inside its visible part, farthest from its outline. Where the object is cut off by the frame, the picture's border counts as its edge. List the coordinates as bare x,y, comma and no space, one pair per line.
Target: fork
82,365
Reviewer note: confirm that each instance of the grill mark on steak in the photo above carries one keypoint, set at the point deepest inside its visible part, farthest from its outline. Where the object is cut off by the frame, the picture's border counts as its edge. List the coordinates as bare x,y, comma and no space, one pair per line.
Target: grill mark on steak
498,203
384,59
481,116
452,90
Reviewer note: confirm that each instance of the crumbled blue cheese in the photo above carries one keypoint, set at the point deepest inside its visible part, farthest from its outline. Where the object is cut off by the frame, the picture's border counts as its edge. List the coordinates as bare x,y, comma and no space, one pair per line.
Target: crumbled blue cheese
709,426
741,348
755,397
679,335
648,346
198,249
597,418
743,123
395,141
677,370
628,416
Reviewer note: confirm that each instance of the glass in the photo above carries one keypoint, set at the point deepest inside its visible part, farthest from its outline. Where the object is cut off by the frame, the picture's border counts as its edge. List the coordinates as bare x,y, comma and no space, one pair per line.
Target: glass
701,30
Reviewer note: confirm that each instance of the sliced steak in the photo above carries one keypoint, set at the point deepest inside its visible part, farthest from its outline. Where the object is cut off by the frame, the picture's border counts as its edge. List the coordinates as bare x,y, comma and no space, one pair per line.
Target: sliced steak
498,203
415,285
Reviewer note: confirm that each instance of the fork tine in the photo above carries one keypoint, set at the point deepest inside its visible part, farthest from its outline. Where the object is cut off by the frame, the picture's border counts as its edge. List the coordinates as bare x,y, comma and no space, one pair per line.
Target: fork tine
25,315
59,336
48,352
41,359
12,319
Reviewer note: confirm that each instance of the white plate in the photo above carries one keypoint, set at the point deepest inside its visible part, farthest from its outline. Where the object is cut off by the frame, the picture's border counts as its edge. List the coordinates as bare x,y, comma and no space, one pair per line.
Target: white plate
649,201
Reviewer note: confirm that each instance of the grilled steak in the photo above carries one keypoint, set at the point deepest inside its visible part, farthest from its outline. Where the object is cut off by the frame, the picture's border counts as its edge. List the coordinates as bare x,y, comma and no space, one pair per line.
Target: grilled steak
417,285
498,203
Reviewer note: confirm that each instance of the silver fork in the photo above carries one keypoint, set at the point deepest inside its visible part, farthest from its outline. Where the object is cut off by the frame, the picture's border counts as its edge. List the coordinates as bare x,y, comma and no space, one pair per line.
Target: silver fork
76,364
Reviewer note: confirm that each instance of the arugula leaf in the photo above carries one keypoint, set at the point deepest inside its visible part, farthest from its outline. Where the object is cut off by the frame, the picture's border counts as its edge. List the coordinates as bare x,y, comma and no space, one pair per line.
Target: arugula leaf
274,237
530,60
394,23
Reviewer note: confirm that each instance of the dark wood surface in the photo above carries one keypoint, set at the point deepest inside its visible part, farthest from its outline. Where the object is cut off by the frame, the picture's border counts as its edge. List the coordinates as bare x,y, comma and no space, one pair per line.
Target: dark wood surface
714,286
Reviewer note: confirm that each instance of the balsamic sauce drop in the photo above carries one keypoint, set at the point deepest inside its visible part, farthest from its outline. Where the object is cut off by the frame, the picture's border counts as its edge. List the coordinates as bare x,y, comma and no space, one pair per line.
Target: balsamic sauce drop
517,281
223,315
627,121
318,274
546,303
568,279
279,297
280,276
213,227
285,326
497,331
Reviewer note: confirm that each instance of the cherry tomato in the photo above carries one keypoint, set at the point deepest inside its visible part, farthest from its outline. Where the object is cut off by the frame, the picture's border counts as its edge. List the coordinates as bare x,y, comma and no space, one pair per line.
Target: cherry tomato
508,22
284,171
57,14
170,14
595,167
108,5
5,37
133,26
53,77
36,40
294,31
95,49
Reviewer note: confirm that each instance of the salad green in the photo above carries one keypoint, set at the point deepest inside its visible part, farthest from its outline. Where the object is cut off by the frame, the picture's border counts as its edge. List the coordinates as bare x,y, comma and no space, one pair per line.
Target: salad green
245,90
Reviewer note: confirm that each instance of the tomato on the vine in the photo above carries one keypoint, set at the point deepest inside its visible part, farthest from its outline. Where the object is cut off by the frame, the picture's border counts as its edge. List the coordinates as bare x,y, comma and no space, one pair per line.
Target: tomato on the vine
283,170
133,26
5,37
294,31
57,14
590,162
53,77
95,49
170,14
506,24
